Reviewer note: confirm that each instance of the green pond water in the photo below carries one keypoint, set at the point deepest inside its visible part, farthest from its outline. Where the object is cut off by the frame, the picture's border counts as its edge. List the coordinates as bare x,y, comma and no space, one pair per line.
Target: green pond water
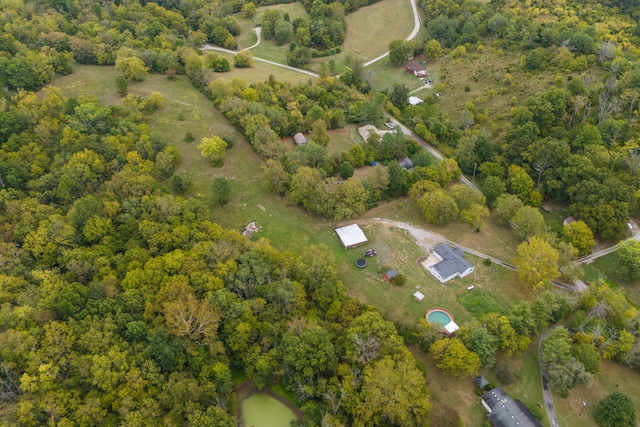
261,410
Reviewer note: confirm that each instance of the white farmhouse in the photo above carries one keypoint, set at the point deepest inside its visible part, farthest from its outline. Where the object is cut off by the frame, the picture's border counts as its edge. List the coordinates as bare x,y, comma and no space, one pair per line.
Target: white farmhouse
452,264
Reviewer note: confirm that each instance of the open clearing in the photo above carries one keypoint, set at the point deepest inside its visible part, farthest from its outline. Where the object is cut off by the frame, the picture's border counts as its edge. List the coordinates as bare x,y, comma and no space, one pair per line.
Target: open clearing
370,29
612,377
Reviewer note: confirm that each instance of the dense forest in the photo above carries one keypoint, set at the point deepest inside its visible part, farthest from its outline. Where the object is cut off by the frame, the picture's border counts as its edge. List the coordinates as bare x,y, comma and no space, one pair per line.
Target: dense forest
123,302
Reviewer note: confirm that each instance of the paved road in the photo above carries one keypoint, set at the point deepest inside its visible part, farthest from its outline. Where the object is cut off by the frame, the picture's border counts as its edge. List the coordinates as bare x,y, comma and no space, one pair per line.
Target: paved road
414,32
546,392
258,30
428,147
277,64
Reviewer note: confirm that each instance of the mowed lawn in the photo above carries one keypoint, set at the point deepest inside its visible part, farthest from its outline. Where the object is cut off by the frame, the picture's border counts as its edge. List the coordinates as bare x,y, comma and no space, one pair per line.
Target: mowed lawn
460,392
370,29
398,250
612,377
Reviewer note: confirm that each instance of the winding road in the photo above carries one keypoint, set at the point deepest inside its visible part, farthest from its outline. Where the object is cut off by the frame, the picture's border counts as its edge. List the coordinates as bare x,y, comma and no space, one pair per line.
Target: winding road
414,32
258,30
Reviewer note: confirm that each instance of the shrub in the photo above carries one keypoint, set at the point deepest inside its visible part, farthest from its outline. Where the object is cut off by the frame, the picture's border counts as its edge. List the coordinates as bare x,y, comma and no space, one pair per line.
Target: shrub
505,373
399,280
221,191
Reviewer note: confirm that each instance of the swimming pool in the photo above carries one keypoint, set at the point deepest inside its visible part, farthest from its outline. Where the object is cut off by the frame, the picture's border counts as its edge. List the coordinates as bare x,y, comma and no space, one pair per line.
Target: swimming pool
439,315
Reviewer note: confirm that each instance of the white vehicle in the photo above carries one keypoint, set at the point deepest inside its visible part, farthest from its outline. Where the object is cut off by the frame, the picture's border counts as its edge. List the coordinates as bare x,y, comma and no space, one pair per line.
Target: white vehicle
630,226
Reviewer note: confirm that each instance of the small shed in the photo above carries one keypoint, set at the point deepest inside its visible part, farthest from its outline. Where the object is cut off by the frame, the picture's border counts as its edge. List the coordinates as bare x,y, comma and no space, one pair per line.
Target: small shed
450,328
568,220
299,139
481,382
406,163
418,296
351,236
389,275
414,100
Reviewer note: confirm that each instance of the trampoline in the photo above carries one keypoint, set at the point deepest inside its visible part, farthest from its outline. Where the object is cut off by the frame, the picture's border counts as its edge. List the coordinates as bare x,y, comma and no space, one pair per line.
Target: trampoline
361,263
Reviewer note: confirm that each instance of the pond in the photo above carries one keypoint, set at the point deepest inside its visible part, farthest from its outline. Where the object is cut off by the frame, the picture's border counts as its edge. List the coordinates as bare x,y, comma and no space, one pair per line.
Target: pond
262,410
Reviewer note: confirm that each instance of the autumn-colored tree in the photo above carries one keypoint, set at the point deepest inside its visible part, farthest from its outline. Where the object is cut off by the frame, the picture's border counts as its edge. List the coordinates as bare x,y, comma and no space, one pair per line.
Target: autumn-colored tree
393,393
213,149
580,236
454,358
132,67
537,261
438,207
188,317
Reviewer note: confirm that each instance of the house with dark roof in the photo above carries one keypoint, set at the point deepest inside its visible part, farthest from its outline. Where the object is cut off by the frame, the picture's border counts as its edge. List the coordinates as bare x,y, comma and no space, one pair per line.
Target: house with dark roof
451,263
503,411
416,69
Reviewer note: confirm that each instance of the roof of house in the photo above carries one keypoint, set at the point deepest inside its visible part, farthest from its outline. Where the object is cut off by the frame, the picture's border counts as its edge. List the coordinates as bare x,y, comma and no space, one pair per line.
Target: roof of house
507,412
351,235
481,381
299,138
453,261
415,66
406,163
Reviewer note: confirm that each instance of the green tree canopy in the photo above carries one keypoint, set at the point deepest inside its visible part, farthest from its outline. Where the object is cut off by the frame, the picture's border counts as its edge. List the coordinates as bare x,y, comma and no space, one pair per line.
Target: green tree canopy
616,410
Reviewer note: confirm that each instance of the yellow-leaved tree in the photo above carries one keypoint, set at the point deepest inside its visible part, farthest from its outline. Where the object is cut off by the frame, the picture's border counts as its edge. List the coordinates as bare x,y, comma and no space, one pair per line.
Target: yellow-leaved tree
537,261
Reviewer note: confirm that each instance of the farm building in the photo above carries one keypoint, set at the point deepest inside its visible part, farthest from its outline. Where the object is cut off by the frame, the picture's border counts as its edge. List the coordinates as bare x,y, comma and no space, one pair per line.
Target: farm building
416,69
414,100
299,139
451,263
389,275
503,411
351,236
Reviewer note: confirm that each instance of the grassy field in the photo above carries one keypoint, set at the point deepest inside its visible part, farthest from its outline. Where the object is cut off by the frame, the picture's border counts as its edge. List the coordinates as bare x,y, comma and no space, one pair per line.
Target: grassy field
493,239
612,377
370,29
342,139
259,72
247,36
456,392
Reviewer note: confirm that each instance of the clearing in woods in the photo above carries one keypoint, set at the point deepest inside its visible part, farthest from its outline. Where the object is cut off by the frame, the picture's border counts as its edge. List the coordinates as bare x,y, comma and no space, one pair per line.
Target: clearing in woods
370,29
